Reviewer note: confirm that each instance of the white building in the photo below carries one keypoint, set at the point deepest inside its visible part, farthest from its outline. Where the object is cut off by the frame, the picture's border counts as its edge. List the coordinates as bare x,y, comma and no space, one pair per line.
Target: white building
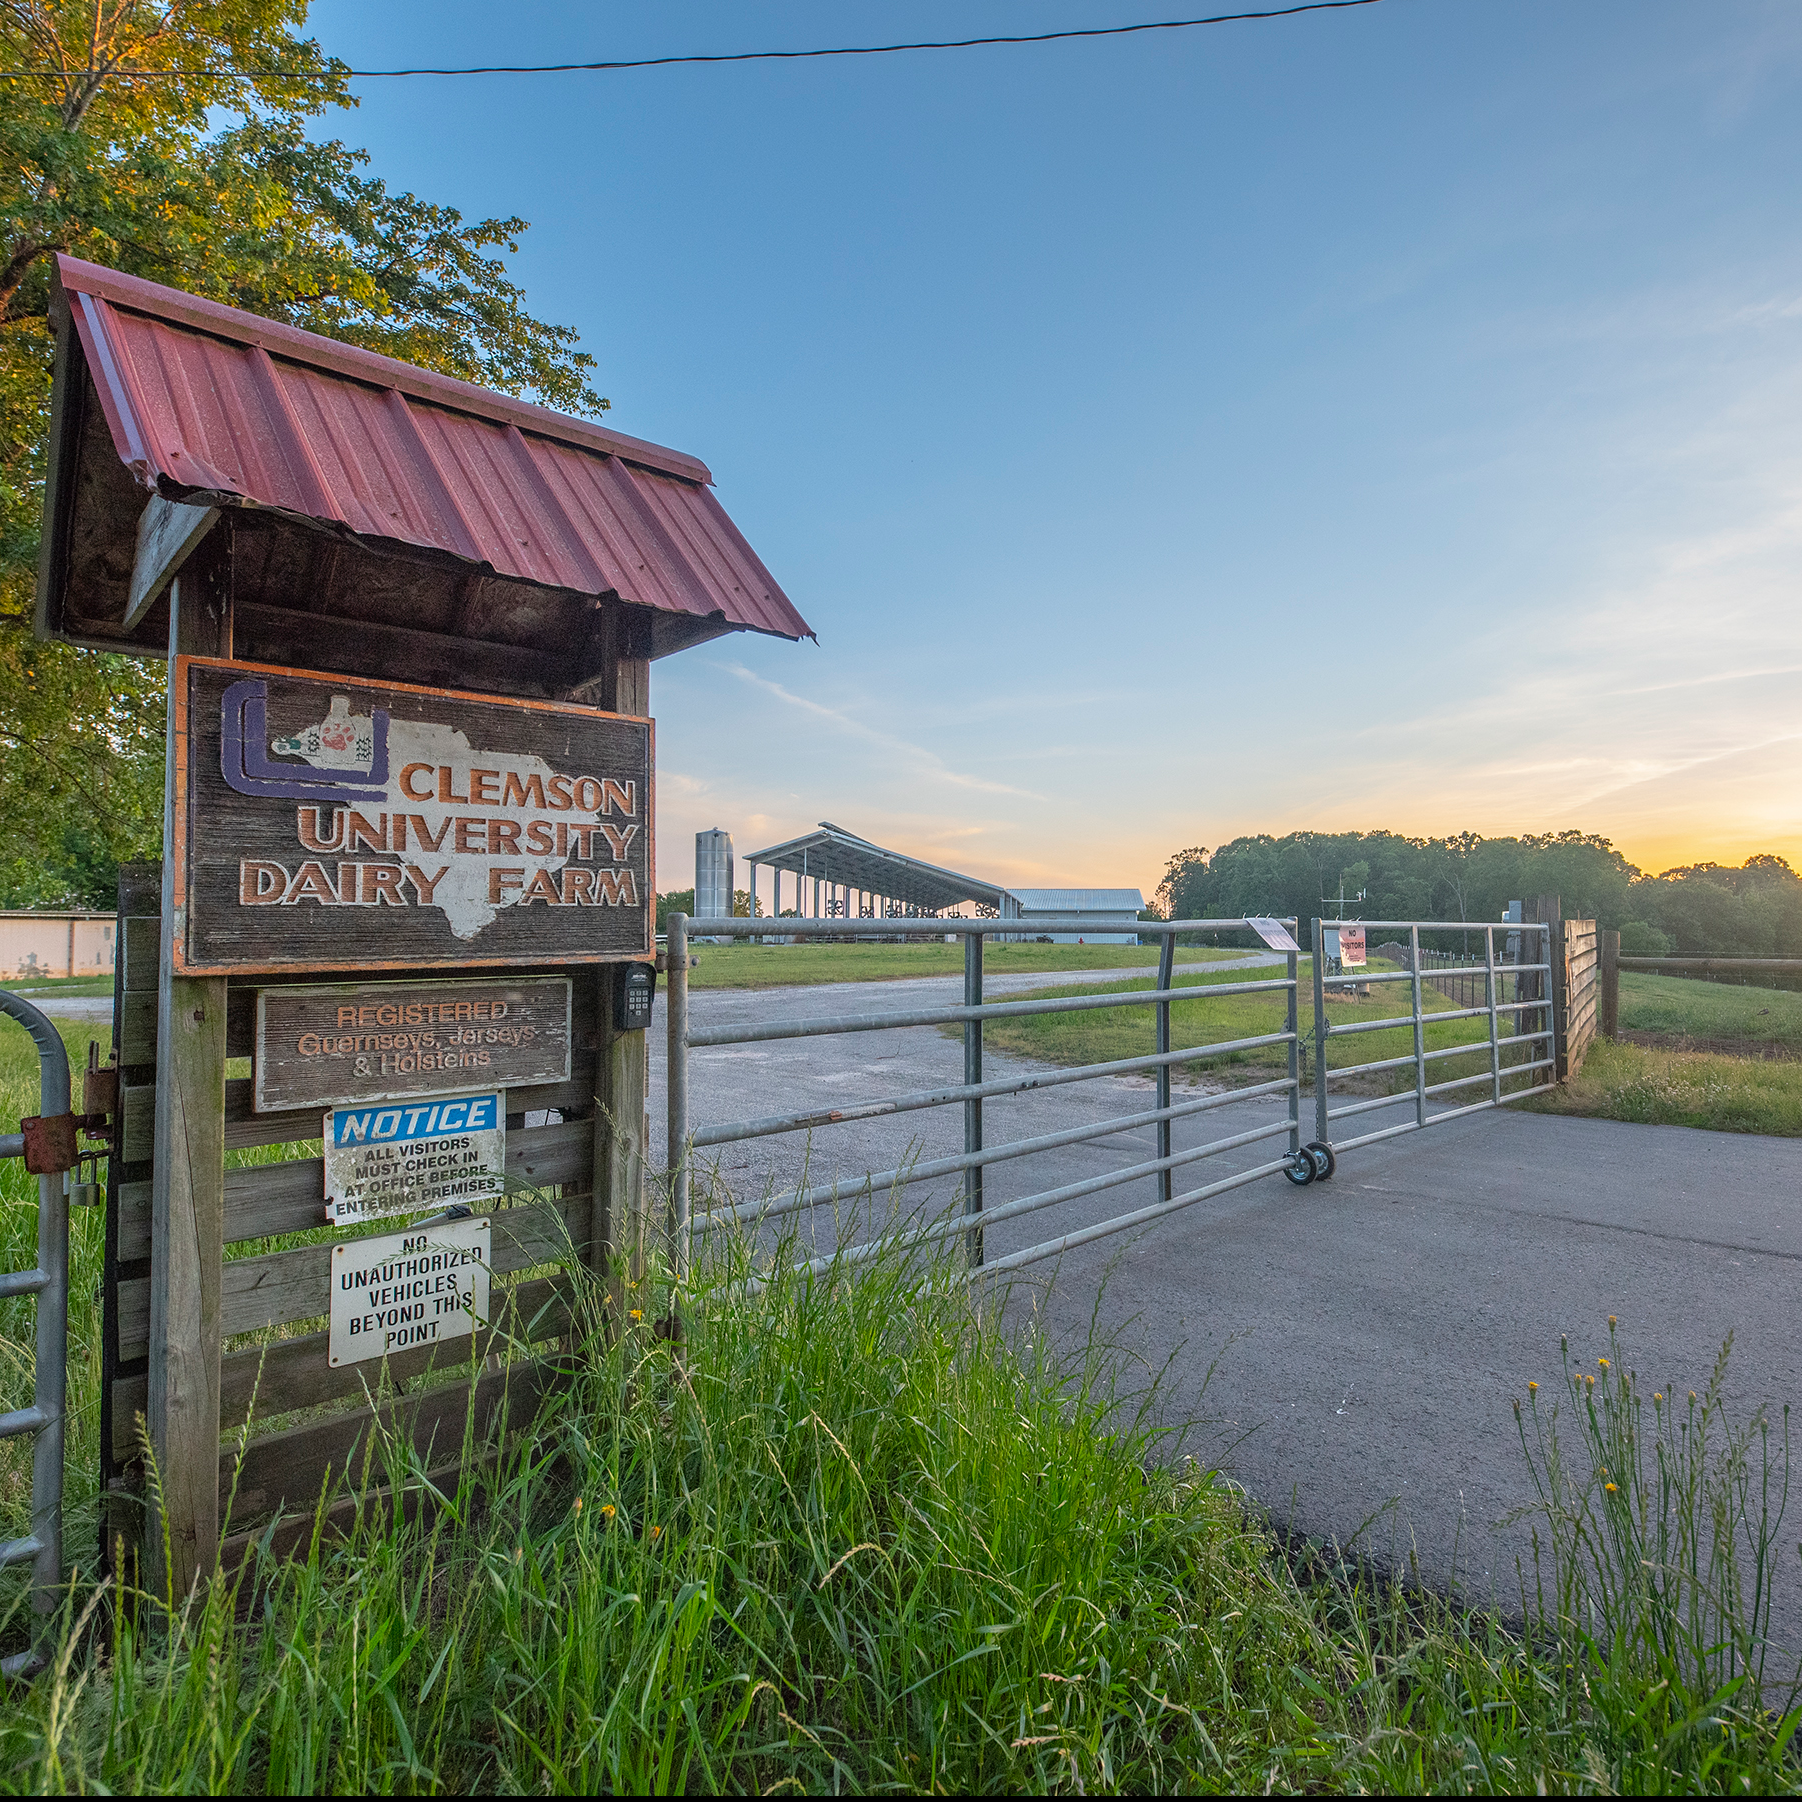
55,944
1115,912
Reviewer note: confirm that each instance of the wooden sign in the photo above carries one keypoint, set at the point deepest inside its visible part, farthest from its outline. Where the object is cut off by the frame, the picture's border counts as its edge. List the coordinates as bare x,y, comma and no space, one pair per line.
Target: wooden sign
403,1290
331,823
345,1043
450,1151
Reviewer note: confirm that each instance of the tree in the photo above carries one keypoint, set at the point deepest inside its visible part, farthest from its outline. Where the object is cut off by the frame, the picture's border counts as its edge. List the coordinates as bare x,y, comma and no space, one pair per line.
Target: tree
114,151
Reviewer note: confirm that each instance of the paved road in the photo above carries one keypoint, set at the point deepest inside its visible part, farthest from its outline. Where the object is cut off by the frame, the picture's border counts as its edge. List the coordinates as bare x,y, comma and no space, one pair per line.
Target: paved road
1366,1336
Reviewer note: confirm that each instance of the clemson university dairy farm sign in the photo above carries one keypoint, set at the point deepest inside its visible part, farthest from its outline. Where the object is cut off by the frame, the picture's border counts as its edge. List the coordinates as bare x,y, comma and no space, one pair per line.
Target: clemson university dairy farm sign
329,823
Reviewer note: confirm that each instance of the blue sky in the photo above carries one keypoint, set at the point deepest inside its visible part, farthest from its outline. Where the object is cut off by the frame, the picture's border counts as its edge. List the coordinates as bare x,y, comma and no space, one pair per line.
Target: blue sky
1389,418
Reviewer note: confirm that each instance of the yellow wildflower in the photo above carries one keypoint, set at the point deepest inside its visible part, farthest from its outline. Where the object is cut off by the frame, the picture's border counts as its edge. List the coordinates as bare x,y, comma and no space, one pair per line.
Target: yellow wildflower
637,1313
1533,1388
1603,1362
1612,1490
578,1507
1611,1320
656,1532
607,1511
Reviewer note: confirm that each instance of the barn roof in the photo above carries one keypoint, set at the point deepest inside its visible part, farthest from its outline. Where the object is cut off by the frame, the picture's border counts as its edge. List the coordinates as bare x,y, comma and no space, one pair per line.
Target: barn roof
206,404
835,855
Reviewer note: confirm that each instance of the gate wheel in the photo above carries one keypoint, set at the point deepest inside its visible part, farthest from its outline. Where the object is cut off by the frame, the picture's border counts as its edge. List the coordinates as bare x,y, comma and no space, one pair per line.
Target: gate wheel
1324,1161
1301,1169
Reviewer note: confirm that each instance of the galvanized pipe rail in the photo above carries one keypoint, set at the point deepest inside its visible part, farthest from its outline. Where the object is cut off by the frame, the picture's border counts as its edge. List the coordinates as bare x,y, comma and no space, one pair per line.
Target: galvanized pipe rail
49,1282
976,1157
1417,1020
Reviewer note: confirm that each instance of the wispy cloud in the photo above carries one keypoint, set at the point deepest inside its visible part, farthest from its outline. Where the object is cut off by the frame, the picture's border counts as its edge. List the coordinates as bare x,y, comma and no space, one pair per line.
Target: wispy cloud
922,761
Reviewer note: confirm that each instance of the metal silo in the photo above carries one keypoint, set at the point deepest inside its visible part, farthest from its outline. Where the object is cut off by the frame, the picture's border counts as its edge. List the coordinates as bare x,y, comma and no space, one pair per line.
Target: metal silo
713,875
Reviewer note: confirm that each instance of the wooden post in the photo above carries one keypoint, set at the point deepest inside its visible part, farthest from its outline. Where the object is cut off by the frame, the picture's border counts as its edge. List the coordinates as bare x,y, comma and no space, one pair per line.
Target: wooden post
621,1220
188,1179
1549,910
1609,950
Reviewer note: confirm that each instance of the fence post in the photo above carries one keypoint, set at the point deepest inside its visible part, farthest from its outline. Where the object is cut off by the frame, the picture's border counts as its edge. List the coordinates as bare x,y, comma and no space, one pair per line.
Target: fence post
187,1206
1420,1036
1495,1037
1609,950
1166,974
1292,1026
1550,909
972,1077
1320,1037
676,1086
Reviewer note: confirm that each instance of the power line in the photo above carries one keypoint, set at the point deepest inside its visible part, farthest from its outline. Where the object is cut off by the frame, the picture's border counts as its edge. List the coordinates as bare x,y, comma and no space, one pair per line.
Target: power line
740,56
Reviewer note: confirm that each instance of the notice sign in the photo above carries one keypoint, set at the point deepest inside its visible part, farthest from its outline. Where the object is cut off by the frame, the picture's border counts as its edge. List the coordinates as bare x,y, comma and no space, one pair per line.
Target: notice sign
409,1160
326,822
1273,932
327,1043
405,1290
1351,947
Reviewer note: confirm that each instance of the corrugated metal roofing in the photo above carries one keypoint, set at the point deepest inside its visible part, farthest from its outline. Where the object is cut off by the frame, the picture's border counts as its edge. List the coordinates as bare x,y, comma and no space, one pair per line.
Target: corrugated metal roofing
834,855
206,400
1079,900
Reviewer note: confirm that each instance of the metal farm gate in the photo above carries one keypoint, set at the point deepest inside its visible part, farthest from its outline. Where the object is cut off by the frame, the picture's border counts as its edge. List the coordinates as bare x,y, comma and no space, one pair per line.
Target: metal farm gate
1516,1054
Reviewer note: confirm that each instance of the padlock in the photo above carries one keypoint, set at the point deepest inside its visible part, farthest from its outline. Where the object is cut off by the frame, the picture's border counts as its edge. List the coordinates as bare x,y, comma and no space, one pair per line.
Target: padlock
84,1187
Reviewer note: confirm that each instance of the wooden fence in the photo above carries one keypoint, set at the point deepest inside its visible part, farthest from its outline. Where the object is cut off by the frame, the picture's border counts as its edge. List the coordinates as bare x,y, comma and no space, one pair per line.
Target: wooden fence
1580,1000
314,1423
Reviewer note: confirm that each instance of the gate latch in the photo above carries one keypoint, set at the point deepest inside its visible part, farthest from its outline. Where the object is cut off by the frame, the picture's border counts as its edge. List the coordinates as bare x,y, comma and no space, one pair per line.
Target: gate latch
100,1085
49,1143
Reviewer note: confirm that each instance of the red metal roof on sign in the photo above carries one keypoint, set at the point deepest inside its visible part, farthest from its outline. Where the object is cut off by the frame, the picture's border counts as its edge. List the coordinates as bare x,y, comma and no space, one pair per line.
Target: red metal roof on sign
206,399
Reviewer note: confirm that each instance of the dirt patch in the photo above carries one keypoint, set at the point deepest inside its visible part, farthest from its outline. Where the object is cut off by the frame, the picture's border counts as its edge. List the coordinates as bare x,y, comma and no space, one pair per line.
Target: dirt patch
1785,1050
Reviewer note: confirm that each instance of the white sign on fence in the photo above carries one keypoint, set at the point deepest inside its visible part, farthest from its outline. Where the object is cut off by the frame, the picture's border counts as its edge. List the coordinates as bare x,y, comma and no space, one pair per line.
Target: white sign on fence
412,1158
403,1290
1273,932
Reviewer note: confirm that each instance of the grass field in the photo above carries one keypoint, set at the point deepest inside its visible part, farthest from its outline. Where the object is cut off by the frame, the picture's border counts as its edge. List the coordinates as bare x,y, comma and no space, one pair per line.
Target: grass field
1103,1034
1676,1006
37,989
779,966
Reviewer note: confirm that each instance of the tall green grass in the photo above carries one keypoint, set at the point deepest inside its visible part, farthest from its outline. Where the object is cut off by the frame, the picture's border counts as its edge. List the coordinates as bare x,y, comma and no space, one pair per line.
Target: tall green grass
872,1530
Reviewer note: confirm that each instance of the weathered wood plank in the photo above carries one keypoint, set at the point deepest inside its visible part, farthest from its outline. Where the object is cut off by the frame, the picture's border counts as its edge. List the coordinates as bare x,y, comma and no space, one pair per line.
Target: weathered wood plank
433,659
245,1128
290,1467
574,1100
188,1179
137,1028
290,1198
280,1287
297,1373
137,1123
139,942
168,532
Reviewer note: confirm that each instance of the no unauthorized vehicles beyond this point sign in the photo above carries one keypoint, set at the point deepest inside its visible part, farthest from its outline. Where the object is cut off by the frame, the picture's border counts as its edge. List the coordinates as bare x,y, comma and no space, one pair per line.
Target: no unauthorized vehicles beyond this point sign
405,1290
411,1159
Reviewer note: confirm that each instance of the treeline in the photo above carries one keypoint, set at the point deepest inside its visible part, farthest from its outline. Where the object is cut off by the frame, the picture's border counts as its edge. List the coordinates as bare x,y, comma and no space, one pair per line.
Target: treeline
1699,910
